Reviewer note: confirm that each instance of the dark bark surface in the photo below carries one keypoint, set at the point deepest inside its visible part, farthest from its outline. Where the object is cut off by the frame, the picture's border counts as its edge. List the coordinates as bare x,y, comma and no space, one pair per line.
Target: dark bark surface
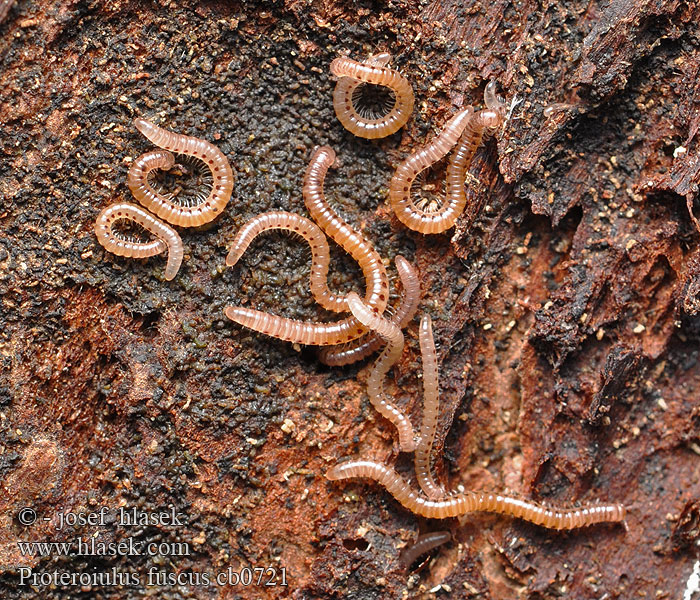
565,302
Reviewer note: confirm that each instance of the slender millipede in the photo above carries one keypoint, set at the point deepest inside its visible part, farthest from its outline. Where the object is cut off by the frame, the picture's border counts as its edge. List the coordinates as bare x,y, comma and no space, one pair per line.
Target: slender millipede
424,543
375,384
467,502
430,412
340,232
311,233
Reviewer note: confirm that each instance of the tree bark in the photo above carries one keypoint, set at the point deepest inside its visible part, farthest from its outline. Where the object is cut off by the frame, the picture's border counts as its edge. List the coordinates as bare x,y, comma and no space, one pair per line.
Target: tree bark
564,302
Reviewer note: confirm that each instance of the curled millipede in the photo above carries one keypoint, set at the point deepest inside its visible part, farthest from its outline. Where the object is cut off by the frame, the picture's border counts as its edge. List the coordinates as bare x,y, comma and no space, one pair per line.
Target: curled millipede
407,171
377,282
467,502
320,253
167,238
375,384
373,71
466,129
430,412
371,342
186,216
423,544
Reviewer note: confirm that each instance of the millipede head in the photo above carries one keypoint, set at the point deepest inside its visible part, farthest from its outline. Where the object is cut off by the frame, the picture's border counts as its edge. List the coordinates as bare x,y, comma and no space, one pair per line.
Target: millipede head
143,125
492,100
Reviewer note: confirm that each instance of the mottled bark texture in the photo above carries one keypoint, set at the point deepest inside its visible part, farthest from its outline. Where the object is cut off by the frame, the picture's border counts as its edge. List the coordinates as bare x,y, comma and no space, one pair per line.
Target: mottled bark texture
565,303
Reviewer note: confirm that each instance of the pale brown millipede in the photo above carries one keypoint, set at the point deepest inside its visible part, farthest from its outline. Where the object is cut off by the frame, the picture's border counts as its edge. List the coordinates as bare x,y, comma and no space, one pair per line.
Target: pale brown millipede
423,544
320,254
375,384
377,282
430,412
466,129
371,342
187,216
373,71
556,107
167,238
292,330
467,502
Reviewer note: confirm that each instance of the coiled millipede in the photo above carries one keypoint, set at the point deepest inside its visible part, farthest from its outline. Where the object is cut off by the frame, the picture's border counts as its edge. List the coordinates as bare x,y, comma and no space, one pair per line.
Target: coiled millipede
167,238
466,129
374,71
207,208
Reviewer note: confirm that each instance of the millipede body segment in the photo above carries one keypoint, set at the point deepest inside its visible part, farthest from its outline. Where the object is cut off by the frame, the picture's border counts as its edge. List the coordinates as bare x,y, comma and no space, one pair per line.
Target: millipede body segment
466,129
375,384
373,71
186,216
371,342
167,238
461,504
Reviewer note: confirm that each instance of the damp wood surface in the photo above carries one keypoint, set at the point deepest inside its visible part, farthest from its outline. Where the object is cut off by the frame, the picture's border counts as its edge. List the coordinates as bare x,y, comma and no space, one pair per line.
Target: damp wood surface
564,302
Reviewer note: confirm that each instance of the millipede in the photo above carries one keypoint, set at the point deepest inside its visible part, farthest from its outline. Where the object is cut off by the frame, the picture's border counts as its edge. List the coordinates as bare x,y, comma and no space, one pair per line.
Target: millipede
373,71
466,129
312,234
309,333
375,384
340,232
422,457
167,238
468,502
551,109
423,544
209,207
371,342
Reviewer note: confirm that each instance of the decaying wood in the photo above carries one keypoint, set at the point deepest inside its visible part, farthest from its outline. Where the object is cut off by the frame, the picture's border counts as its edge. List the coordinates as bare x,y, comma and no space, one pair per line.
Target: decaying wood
565,302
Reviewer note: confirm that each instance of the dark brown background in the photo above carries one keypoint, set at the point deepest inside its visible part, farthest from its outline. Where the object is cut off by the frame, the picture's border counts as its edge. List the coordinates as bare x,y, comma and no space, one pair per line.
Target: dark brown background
564,304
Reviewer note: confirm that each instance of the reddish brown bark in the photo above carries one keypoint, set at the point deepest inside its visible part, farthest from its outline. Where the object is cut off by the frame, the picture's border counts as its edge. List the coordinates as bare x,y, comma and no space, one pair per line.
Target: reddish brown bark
565,303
